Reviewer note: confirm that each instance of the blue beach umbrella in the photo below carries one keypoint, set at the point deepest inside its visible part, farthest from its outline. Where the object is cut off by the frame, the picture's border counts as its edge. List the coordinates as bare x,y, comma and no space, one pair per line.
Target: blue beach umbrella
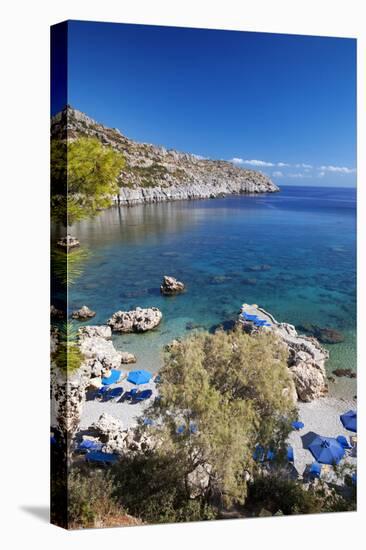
326,450
297,425
349,420
139,377
112,378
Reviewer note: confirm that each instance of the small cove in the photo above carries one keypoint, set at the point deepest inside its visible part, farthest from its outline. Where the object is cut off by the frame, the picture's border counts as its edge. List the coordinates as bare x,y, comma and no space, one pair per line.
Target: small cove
292,252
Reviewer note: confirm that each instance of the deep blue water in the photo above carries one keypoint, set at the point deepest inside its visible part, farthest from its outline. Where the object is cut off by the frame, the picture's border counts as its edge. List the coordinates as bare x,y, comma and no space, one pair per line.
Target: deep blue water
293,252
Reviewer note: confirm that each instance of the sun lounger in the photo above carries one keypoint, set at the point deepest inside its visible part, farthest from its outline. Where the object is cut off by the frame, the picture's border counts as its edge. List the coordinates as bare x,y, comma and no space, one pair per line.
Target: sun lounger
101,392
129,395
290,454
148,422
297,425
143,395
270,455
101,458
113,393
315,469
253,318
89,445
258,454
342,440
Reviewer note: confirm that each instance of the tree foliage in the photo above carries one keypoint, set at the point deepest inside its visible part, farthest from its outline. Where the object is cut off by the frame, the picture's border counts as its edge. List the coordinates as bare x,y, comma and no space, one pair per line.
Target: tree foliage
84,176
68,356
234,388
67,267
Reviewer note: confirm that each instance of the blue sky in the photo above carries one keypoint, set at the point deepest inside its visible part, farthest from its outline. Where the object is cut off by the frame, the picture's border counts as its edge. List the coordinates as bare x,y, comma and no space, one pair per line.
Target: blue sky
279,103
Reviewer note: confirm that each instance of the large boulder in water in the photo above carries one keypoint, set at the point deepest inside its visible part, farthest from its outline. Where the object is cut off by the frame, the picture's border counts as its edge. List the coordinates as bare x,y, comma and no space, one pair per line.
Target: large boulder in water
83,313
137,320
68,242
171,286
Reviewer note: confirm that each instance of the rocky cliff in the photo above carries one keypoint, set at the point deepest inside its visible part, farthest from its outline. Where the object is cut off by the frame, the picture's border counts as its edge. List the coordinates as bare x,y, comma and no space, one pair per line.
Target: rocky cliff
154,174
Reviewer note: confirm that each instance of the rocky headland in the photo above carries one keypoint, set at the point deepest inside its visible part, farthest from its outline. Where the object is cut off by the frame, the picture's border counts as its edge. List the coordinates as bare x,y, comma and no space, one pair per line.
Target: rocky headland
155,174
306,357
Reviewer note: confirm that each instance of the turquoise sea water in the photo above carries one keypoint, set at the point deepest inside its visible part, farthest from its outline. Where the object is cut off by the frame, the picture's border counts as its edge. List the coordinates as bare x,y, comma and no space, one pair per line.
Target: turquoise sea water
293,252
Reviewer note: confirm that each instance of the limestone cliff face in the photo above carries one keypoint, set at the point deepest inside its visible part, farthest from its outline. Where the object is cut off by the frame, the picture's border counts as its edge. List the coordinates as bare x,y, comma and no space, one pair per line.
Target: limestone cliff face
154,174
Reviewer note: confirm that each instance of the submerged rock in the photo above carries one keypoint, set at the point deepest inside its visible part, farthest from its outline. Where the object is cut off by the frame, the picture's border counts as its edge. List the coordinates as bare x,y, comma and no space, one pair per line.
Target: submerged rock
323,334
345,372
137,320
171,286
260,267
68,242
83,313
127,358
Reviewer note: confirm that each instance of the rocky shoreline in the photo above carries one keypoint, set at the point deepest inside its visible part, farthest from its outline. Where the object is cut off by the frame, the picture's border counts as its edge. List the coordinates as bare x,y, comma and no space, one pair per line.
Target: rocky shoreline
116,426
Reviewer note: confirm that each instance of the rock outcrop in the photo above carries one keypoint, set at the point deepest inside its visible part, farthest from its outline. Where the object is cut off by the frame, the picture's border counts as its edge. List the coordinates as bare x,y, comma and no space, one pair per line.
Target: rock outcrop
306,357
198,480
95,330
100,355
69,390
153,174
83,313
137,320
68,242
56,314
171,286
118,440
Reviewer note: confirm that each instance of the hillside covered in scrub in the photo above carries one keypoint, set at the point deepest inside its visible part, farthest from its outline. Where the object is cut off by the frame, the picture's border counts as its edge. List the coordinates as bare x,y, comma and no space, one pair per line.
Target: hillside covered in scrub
154,174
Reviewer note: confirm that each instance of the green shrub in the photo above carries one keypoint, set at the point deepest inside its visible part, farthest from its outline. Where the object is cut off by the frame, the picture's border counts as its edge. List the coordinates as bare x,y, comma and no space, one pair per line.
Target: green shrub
275,492
91,502
152,488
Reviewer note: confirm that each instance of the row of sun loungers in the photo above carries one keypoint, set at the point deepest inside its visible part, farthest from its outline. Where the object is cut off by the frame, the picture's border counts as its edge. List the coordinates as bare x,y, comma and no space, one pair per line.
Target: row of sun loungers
257,321
105,394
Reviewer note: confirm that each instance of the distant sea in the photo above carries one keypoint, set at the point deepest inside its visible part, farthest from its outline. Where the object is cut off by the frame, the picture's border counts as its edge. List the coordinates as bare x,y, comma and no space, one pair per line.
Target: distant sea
293,253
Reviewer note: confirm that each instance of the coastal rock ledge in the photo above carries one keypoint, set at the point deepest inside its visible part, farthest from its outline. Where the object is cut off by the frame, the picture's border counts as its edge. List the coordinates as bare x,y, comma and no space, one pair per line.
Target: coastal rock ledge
154,174
137,320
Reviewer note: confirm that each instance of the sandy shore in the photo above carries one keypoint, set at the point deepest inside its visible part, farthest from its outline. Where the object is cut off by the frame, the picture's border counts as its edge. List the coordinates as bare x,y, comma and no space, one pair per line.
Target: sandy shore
125,411
320,417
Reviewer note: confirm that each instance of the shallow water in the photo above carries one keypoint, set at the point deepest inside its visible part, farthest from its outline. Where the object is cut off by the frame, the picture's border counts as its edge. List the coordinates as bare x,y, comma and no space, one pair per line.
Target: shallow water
291,252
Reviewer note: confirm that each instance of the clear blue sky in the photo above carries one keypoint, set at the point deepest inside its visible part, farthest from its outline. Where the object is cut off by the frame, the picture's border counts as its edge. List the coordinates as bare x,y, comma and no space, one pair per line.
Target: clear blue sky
265,100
